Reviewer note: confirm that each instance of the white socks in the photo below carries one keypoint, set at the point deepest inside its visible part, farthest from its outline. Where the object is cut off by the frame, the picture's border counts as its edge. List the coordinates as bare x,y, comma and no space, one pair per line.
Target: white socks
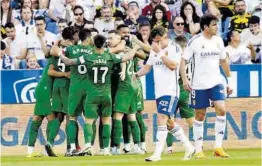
127,147
178,132
220,127
30,149
198,131
161,140
73,146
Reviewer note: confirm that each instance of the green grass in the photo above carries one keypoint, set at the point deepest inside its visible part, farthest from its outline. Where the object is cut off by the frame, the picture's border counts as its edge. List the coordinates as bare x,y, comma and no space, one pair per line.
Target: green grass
238,157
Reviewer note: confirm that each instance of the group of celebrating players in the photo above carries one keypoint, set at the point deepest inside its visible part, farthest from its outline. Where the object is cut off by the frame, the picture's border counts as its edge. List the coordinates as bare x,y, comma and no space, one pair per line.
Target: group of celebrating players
99,78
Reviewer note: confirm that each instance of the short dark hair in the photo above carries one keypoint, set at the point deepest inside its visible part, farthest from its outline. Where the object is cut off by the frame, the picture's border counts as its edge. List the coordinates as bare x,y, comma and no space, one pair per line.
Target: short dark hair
121,26
112,31
119,19
68,33
240,1
25,7
62,21
254,20
78,7
230,34
99,41
9,25
144,24
181,39
133,2
3,45
158,31
38,18
84,34
94,30
206,20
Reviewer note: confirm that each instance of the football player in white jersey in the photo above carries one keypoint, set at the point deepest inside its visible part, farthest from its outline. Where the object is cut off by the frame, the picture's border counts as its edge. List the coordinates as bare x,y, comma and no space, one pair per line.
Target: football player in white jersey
165,58
207,51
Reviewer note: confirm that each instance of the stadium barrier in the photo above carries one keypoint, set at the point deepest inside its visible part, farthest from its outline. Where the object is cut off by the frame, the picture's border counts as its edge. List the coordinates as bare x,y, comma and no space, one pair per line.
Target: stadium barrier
244,117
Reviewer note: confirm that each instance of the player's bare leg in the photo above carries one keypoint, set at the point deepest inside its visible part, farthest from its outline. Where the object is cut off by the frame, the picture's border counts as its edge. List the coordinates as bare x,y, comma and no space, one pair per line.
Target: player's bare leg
220,126
33,133
198,130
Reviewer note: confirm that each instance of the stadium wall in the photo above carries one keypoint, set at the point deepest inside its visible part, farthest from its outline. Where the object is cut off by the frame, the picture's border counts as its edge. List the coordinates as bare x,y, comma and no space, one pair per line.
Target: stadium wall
243,127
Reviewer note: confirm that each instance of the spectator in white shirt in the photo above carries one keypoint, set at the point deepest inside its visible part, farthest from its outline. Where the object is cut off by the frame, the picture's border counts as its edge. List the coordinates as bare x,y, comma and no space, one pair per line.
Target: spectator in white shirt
27,23
106,22
6,62
41,41
14,43
237,52
253,36
62,9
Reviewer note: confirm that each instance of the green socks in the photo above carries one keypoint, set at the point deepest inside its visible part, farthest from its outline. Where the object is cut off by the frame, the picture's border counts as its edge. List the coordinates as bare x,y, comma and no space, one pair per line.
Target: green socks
54,130
94,133
33,132
71,127
106,135
142,126
89,133
126,130
117,132
135,131
169,139
48,128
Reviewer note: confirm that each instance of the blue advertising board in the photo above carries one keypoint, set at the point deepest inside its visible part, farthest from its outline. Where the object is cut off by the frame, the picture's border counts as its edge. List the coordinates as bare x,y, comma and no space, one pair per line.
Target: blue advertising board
18,86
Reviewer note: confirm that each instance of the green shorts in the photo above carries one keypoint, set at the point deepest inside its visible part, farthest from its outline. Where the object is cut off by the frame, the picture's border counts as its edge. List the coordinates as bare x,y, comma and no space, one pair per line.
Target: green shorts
77,97
126,99
60,99
98,105
140,97
43,96
185,111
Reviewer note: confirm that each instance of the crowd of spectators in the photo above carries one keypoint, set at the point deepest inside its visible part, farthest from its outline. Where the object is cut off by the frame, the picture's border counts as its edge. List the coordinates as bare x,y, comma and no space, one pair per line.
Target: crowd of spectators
30,27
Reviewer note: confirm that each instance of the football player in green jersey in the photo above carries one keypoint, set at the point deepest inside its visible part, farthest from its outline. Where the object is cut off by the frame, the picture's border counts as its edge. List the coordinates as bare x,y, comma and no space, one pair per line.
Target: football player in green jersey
78,87
43,94
60,72
183,103
99,66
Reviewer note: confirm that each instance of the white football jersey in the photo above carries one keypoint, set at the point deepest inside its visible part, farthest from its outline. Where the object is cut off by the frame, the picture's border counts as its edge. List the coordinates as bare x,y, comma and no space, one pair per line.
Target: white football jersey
166,80
239,55
205,54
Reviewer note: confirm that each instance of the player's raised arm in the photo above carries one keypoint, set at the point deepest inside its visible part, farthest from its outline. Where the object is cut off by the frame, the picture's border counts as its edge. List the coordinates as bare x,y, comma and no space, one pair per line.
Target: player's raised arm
67,61
130,54
170,63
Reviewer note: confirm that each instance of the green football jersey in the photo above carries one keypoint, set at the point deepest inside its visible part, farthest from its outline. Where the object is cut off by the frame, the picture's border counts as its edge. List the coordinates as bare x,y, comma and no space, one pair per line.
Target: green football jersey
60,67
99,69
46,80
129,71
78,72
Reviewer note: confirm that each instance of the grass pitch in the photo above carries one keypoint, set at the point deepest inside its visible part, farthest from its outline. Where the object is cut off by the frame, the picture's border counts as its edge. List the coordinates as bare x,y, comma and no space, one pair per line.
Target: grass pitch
238,157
